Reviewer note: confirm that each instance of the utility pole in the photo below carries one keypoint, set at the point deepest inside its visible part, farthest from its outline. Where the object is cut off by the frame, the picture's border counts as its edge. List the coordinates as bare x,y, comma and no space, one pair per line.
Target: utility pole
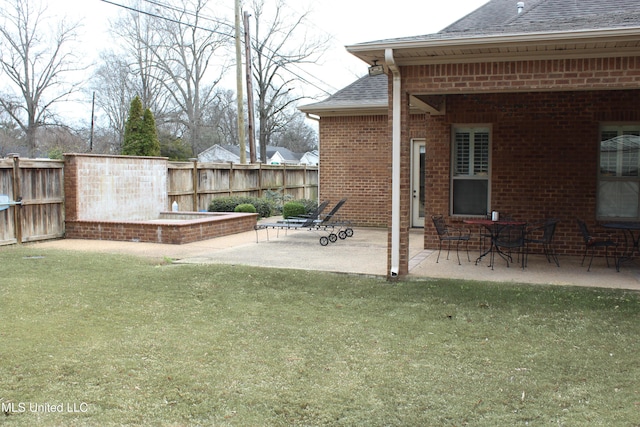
93,108
247,46
240,95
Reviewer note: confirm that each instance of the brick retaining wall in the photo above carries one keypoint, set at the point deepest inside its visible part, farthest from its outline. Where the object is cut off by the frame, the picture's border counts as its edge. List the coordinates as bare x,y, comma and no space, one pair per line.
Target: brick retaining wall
163,231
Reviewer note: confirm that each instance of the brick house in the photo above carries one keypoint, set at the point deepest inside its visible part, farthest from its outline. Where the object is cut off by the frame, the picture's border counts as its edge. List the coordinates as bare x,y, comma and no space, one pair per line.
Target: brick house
508,109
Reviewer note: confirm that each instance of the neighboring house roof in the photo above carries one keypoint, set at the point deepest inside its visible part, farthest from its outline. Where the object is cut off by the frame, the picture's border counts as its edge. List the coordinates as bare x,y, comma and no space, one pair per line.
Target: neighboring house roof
219,153
282,155
310,158
495,31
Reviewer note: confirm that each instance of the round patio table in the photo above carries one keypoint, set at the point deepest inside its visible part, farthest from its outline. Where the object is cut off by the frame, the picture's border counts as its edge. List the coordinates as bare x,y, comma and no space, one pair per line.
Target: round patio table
631,232
494,228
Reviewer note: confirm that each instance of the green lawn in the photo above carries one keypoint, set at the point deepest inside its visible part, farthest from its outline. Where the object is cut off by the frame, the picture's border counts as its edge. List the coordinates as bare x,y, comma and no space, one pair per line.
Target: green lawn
118,340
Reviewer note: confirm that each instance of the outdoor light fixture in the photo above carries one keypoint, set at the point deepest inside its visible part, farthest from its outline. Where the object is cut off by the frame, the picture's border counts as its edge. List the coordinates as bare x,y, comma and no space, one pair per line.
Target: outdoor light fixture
375,69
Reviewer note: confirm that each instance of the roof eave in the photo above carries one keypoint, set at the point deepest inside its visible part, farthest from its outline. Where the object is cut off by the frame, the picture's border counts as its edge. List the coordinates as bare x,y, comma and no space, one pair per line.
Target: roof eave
374,51
345,109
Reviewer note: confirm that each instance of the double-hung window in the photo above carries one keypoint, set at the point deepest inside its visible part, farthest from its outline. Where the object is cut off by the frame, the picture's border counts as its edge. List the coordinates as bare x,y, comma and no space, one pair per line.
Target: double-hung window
618,178
470,171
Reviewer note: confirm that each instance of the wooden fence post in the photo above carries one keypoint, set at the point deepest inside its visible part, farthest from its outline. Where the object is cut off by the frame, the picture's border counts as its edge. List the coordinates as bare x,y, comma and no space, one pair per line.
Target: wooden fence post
231,179
284,179
17,195
260,180
304,182
195,185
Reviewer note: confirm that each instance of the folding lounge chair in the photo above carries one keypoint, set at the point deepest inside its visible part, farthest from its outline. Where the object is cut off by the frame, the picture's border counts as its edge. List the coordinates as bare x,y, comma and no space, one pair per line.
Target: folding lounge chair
309,224
316,214
328,221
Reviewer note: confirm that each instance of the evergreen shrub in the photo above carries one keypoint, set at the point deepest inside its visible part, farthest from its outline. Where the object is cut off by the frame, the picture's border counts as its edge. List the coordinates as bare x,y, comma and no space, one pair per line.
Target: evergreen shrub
292,209
229,203
246,208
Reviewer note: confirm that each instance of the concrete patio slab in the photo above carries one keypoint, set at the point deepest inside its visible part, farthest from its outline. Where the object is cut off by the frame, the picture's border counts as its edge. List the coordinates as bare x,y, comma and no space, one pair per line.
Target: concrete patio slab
365,253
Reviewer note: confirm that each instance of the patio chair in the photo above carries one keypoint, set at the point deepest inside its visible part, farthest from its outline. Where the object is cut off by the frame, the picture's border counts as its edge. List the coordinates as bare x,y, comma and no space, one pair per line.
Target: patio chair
591,243
447,233
542,234
508,239
318,218
313,215
332,220
329,220
310,223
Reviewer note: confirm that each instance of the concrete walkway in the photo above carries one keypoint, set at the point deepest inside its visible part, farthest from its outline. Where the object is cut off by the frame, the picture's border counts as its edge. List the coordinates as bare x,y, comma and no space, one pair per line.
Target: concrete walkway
364,253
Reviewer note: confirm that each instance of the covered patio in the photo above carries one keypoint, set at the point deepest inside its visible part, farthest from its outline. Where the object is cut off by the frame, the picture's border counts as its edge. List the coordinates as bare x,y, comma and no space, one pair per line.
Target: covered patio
514,119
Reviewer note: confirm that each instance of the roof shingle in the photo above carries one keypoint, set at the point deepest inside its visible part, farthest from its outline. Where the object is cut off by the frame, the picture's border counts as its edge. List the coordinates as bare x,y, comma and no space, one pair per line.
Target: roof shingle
499,18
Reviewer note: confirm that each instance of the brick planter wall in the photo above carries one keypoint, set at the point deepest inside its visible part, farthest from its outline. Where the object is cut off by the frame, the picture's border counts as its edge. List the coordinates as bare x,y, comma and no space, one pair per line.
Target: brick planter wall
205,226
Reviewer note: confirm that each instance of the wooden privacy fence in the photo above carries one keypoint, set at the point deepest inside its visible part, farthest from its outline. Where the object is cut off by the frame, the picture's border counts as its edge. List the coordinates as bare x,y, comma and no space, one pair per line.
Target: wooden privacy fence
193,185
39,184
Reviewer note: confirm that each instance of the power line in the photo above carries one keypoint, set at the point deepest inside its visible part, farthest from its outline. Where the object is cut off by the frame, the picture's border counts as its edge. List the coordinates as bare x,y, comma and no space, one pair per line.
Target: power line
175,9
177,21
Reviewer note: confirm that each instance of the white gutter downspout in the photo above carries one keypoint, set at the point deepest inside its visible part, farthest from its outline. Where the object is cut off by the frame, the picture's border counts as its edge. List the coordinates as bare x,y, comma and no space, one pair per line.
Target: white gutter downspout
395,162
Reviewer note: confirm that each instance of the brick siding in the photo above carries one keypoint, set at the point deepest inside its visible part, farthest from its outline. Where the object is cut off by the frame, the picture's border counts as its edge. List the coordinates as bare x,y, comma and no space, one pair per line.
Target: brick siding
162,232
544,117
541,75
355,159
544,154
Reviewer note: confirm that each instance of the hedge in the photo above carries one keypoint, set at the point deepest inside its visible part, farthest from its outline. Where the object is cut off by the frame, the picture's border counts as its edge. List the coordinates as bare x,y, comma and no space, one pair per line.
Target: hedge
228,204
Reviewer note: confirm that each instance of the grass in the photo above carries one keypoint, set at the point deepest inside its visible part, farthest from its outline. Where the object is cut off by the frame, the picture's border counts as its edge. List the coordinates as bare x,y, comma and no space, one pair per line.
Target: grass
118,340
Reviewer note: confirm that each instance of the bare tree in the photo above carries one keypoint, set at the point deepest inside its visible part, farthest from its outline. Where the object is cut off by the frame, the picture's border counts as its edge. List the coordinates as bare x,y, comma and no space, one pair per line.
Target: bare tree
10,135
36,62
113,84
137,33
221,118
280,42
189,56
298,136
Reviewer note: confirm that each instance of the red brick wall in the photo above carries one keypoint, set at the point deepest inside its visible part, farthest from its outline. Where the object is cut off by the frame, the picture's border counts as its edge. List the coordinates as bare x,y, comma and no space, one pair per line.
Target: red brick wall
355,155
70,188
539,75
544,114
154,232
544,154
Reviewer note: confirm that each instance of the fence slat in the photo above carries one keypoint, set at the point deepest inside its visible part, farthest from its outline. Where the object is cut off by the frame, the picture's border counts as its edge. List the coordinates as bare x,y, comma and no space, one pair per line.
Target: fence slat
40,184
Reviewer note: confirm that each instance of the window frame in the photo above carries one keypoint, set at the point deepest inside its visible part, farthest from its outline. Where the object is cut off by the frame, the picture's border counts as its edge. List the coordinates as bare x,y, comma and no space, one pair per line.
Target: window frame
618,176
471,129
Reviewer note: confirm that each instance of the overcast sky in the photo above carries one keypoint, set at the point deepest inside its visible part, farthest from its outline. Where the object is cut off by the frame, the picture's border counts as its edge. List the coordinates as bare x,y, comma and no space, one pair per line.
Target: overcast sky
346,21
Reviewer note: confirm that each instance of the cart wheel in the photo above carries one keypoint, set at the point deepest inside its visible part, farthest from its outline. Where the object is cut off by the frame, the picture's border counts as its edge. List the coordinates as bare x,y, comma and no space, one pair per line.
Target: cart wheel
342,234
349,232
333,238
324,241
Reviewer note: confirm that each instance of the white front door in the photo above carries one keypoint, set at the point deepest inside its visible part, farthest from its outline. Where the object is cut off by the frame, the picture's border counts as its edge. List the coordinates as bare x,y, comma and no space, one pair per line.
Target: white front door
418,173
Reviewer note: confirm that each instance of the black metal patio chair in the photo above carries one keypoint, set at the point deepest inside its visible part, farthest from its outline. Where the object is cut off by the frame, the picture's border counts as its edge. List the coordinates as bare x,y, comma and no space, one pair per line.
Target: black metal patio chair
542,234
592,242
510,239
448,233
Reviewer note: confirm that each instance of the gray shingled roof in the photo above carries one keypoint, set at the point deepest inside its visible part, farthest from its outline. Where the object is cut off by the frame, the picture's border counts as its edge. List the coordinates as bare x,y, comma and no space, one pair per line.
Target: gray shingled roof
368,92
500,17
284,152
495,18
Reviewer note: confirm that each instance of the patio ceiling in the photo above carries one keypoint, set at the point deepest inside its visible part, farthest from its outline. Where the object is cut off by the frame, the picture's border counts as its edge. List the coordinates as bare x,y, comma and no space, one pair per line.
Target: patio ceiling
457,48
